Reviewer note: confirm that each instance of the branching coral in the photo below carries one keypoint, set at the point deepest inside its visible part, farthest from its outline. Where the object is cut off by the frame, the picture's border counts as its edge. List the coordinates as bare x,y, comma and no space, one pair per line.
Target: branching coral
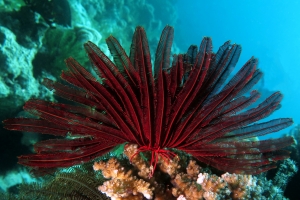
207,186
171,181
130,151
123,184
126,183
239,185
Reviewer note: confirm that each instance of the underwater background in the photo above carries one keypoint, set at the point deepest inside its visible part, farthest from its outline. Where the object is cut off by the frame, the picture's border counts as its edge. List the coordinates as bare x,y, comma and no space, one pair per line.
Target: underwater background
37,35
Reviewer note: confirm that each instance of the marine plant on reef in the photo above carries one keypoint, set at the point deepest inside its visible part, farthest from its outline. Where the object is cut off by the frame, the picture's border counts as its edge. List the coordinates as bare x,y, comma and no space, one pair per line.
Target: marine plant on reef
188,106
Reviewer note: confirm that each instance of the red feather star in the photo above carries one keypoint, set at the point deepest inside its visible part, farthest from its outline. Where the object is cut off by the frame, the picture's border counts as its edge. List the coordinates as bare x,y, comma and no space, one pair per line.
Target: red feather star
187,105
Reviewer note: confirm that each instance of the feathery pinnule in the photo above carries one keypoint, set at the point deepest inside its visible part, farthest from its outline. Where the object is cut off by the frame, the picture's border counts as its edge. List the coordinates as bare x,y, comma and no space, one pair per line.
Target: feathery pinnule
188,105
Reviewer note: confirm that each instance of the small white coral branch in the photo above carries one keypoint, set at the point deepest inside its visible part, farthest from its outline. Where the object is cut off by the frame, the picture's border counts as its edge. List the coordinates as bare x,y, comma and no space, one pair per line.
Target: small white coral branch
181,197
123,185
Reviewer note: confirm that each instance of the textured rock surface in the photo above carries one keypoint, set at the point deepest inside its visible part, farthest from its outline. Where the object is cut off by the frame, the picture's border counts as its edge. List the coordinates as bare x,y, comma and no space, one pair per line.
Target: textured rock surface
17,83
31,50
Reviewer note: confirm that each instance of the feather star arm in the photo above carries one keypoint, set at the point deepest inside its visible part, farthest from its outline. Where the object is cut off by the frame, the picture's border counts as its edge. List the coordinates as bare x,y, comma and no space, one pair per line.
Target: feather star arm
184,105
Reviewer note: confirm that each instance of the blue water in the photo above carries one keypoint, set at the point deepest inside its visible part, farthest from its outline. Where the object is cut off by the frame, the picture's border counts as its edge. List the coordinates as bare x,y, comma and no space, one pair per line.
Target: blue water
267,30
